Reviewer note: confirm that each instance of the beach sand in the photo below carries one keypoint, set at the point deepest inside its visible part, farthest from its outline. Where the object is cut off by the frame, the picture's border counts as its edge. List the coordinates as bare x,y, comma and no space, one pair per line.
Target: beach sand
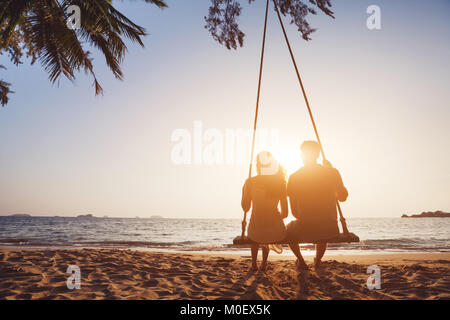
130,274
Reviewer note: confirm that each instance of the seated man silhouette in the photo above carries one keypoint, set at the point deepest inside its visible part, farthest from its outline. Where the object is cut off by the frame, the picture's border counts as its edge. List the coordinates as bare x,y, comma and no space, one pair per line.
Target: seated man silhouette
313,191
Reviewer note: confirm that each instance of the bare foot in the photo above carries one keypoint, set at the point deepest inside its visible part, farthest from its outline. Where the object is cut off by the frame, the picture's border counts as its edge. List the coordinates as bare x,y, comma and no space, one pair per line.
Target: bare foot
263,266
254,267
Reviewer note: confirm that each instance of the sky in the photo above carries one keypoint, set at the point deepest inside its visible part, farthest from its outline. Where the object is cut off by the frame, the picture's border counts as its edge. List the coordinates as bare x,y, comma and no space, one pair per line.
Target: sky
381,100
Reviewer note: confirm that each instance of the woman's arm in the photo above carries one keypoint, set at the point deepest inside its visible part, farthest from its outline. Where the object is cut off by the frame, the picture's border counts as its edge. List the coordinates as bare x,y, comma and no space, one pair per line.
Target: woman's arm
246,201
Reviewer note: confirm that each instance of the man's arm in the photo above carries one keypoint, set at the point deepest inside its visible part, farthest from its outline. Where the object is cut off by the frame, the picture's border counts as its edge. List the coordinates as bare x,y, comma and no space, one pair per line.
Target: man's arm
284,208
341,190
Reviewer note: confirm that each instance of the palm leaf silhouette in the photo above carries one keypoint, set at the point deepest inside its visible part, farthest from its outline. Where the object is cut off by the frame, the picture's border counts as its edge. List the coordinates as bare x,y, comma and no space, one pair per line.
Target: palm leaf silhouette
38,29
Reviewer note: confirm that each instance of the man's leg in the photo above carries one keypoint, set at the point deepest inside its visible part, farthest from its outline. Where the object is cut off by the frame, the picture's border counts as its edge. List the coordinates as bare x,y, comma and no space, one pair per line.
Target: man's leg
320,251
255,248
296,250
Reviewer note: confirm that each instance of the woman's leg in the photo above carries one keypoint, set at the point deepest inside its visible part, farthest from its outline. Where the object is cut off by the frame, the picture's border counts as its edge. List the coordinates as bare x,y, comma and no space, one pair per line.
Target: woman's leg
255,248
265,255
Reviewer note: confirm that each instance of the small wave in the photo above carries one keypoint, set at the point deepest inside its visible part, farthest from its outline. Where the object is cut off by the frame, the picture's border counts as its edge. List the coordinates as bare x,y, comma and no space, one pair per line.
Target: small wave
370,244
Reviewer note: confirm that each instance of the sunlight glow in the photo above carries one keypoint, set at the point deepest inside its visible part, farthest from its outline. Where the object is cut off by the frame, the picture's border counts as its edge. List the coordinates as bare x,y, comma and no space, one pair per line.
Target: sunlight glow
289,159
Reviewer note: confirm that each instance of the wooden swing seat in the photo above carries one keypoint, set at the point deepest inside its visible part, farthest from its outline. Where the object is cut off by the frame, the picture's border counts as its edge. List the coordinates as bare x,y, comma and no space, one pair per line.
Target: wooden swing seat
341,238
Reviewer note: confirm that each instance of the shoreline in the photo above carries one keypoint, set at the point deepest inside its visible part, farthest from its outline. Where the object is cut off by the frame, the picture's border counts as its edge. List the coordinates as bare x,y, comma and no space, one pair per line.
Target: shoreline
133,274
237,251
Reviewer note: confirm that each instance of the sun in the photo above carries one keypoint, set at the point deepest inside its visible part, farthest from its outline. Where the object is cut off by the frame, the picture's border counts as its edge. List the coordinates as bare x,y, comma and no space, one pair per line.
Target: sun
289,159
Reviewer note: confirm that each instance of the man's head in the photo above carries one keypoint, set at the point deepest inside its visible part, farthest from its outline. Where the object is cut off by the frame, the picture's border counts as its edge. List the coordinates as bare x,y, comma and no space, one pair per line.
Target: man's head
310,152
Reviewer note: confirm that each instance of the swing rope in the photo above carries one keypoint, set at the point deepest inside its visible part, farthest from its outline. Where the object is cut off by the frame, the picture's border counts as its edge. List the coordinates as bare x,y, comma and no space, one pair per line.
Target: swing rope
244,221
341,216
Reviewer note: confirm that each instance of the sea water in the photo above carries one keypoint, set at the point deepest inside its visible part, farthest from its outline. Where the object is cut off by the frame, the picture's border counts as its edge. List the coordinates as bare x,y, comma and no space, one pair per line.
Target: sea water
383,235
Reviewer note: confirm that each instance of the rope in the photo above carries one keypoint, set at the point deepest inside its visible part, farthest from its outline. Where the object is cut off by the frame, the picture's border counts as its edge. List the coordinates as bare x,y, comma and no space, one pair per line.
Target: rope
244,221
343,222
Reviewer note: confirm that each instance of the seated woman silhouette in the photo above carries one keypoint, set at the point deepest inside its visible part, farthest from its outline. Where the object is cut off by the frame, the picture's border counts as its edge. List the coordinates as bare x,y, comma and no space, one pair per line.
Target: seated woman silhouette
263,193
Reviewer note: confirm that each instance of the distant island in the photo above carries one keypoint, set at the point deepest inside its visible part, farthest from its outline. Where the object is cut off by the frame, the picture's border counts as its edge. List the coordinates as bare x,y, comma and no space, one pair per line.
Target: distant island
156,217
85,216
429,214
20,215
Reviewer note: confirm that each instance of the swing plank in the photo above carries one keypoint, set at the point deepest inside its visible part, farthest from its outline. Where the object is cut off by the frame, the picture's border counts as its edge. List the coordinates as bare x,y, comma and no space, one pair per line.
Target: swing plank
341,238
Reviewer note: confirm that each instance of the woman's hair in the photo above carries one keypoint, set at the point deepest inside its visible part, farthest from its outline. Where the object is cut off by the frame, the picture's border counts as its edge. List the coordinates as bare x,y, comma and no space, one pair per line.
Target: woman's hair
267,165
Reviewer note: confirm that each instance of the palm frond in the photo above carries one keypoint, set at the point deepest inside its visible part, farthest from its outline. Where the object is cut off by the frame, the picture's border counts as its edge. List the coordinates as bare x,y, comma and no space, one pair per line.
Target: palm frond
39,27
159,3
4,90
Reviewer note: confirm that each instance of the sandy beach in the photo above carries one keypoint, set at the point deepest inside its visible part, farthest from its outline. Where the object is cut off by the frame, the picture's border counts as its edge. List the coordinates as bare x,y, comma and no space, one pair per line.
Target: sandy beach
127,274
